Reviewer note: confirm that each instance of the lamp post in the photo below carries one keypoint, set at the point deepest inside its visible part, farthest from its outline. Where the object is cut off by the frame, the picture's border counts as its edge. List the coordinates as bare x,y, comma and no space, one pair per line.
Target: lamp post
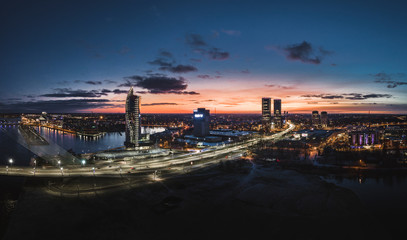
59,163
93,169
62,171
83,162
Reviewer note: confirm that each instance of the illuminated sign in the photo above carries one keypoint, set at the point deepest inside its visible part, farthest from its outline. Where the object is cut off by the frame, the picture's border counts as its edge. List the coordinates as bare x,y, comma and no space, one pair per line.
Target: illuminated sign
198,115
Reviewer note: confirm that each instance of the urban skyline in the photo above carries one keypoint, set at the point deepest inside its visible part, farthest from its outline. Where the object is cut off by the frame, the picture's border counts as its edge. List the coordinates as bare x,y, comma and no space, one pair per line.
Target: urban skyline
176,67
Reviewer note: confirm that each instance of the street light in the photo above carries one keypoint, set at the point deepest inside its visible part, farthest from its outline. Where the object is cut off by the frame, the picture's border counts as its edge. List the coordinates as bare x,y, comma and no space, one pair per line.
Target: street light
11,162
93,169
59,163
83,162
62,171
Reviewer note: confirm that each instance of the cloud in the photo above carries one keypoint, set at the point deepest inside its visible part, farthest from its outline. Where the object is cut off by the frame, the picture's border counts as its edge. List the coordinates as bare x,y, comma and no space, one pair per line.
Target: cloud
158,104
56,106
109,81
167,63
392,80
305,53
68,92
158,84
206,76
245,71
195,40
118,91
89,82
231,32
358,96
180,68
164,53
217,54
198,45
350,96
279,86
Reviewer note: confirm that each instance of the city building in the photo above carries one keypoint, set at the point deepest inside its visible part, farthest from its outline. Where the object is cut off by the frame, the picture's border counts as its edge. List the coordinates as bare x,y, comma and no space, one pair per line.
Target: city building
278,120
266,112
201,122
363,138
132,120
315,119
324,119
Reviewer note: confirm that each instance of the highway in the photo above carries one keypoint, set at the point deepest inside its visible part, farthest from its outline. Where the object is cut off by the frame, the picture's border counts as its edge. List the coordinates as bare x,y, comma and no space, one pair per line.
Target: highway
177,162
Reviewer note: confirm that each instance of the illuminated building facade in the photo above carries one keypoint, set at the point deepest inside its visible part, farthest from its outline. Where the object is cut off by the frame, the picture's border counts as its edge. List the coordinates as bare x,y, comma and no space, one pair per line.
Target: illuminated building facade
201,122
278,120
324,119
315,119
132,120
266,112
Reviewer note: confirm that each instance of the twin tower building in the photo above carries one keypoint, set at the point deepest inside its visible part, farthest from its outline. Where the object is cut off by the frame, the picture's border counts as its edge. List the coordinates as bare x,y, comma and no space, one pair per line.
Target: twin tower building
267,118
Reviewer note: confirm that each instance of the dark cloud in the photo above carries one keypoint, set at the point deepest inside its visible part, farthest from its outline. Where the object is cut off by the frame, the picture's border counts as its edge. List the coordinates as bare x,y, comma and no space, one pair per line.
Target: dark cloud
56,106
161,62
350,96
158,84
158,104
392,80
279,86
179,68
167,63
206,76
89,82
118,91
305,53
245,71
217,54
67,92
358,96
195,41
198,45
166,54
109,81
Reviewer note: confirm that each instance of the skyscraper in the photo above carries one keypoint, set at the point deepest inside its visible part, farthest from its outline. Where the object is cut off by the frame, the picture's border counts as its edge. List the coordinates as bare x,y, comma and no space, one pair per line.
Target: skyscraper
266,112
278,120
132,120
201,122
315,119
324,119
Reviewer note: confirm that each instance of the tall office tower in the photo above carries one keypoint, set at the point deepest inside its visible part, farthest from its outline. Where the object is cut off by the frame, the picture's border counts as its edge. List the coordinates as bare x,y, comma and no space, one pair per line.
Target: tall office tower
266,112
132,120
324,119
278,120
315,119
201,122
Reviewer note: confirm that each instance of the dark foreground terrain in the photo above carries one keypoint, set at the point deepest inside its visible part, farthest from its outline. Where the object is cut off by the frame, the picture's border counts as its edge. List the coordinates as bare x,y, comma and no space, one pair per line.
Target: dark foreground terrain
236,200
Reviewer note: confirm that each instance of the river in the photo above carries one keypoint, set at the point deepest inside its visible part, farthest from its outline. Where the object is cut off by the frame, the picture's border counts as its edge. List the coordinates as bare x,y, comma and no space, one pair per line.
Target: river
11,147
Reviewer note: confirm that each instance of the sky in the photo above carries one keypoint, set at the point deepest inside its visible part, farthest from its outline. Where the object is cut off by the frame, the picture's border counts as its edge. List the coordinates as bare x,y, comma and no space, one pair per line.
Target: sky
83,56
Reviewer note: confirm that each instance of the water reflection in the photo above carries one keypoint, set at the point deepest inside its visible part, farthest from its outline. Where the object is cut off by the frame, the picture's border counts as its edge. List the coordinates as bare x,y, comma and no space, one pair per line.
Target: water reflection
11,147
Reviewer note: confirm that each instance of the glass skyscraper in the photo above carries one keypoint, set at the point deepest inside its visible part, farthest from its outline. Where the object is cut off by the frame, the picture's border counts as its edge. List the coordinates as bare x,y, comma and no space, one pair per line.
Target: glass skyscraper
132,120
278,120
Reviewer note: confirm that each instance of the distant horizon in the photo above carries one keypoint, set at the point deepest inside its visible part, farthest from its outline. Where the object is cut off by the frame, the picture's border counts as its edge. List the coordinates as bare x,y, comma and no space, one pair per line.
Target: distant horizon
230,113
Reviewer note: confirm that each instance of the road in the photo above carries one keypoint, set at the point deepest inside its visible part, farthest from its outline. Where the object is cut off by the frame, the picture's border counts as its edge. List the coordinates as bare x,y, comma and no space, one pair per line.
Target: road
181,162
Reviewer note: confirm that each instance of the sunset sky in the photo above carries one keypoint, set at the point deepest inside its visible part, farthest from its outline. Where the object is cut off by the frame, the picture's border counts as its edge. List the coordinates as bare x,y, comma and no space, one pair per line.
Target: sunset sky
83,56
